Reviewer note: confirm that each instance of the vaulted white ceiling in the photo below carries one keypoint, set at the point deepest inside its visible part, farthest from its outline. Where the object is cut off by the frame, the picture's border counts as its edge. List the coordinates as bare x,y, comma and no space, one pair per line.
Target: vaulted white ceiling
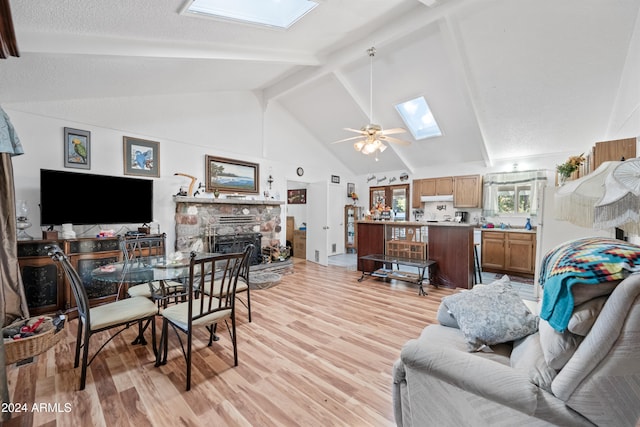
505,79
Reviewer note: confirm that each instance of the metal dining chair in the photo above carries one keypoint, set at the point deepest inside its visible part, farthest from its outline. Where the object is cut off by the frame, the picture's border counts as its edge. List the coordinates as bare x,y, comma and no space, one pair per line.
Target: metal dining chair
243,286
202,309
159,291
91,320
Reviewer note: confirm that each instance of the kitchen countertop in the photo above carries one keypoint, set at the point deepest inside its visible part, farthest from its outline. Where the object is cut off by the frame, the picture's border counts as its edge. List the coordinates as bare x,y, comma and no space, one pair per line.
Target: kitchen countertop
419,223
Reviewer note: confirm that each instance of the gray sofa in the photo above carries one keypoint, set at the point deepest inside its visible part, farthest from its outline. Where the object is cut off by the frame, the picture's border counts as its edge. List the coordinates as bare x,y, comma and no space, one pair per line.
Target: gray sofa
586,375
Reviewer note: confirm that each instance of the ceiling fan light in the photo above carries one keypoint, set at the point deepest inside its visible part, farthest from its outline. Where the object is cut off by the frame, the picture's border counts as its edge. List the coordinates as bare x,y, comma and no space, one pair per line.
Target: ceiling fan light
382,147
358,145
369,148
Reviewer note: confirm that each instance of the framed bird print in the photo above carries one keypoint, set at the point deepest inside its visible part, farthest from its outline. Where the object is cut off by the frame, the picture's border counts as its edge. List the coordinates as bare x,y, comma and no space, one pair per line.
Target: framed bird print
77,148
141,157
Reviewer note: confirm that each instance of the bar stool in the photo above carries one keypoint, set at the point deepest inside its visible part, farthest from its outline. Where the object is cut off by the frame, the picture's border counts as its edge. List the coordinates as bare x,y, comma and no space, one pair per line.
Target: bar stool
476,265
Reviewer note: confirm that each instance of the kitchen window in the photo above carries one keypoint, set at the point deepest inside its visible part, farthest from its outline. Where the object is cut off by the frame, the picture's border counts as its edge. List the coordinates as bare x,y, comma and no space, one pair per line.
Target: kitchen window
514,199
513,193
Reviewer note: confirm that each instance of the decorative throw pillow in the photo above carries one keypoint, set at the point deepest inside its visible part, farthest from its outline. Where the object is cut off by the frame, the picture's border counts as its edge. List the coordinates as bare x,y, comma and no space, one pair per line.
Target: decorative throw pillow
585,315
527,356
491,314
557,347
445,318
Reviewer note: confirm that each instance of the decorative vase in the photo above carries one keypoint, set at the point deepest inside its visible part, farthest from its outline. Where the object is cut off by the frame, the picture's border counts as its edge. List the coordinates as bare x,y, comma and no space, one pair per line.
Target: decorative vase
527,226
216,193
562,179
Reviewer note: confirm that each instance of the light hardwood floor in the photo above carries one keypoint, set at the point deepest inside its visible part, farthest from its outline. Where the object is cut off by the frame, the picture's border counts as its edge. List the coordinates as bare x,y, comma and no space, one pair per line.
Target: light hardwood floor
319,352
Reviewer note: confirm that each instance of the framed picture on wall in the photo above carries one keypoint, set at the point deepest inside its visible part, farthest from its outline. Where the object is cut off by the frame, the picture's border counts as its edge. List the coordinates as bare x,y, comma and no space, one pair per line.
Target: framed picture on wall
297,197
231,176
351,188
141,157
77,148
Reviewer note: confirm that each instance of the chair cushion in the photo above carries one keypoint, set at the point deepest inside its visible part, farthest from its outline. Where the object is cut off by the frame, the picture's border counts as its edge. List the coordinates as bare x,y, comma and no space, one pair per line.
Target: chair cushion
528,357
178,314
121,311
557,347
144,290
491,314
585,292
585,315
241,286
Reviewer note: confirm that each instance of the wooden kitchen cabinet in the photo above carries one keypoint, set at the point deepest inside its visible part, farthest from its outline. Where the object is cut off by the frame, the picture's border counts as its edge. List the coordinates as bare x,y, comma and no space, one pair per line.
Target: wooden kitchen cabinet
442,186
438,186
416,194
493,249
613,151
520,254
467,191
508,252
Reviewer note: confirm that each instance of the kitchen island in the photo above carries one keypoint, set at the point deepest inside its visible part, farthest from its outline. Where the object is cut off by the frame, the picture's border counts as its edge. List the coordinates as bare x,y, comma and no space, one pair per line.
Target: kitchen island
449,244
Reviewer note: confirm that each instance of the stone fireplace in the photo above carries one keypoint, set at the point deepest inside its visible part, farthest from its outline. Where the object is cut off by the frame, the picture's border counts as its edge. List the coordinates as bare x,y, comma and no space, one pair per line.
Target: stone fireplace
219,225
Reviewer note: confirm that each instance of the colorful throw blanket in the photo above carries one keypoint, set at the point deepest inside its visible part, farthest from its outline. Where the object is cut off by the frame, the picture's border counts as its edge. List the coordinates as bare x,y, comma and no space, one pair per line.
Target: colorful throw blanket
589,260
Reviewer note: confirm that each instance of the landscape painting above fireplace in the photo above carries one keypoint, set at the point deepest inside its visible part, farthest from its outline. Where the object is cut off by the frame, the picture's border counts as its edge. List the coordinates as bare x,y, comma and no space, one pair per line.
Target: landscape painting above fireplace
231,176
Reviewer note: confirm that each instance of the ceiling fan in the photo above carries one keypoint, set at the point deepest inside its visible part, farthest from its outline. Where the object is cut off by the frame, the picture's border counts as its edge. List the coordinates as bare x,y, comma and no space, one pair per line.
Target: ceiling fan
372,136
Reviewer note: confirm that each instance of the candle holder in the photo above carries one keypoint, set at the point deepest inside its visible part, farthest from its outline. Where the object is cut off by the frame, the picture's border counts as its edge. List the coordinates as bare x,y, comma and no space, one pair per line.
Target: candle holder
22,220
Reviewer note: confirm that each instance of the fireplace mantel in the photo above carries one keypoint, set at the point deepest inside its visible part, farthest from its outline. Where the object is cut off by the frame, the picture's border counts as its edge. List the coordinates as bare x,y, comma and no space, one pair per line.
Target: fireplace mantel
232,201
199,220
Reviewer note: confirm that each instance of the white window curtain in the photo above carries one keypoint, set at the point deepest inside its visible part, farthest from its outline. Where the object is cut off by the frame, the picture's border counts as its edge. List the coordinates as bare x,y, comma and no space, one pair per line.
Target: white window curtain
493,181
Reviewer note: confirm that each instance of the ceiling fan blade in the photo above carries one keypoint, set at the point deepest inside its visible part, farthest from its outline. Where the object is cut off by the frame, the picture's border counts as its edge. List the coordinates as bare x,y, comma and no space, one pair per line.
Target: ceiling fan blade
393,131
394,140
360,131
347,139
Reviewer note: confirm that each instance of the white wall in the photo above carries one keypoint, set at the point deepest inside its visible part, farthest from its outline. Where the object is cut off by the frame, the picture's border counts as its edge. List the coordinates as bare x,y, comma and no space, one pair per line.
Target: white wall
187,126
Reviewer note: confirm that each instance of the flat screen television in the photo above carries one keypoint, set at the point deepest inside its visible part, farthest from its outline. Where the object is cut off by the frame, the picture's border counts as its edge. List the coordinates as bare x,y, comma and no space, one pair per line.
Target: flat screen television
85,199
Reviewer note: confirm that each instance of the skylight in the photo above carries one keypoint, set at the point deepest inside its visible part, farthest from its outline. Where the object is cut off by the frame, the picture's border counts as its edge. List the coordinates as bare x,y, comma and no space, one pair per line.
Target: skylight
273,13
419,119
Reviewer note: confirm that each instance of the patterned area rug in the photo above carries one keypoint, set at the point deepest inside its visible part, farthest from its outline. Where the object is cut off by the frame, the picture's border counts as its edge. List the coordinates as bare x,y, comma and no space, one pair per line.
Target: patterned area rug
266,280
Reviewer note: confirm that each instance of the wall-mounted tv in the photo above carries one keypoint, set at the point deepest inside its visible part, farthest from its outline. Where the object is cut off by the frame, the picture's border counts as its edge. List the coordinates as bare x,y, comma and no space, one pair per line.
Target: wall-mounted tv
85,199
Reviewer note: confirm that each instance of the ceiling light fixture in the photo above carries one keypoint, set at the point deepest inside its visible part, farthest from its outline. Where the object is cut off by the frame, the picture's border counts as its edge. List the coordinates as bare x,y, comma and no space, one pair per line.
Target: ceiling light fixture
372,136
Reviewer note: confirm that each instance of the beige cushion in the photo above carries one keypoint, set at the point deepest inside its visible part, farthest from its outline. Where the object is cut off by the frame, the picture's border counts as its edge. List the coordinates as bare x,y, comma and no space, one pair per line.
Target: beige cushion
122,311
179,314
241,286
527,356
585,315
585,292
557,347
144,290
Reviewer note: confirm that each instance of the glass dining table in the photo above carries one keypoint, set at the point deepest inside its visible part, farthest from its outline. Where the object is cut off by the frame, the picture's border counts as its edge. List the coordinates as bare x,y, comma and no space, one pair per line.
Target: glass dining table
159,269
144,270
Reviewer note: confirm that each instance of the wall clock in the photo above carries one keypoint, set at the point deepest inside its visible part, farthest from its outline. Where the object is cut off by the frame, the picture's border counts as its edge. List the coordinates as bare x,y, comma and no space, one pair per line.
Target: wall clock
300,171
